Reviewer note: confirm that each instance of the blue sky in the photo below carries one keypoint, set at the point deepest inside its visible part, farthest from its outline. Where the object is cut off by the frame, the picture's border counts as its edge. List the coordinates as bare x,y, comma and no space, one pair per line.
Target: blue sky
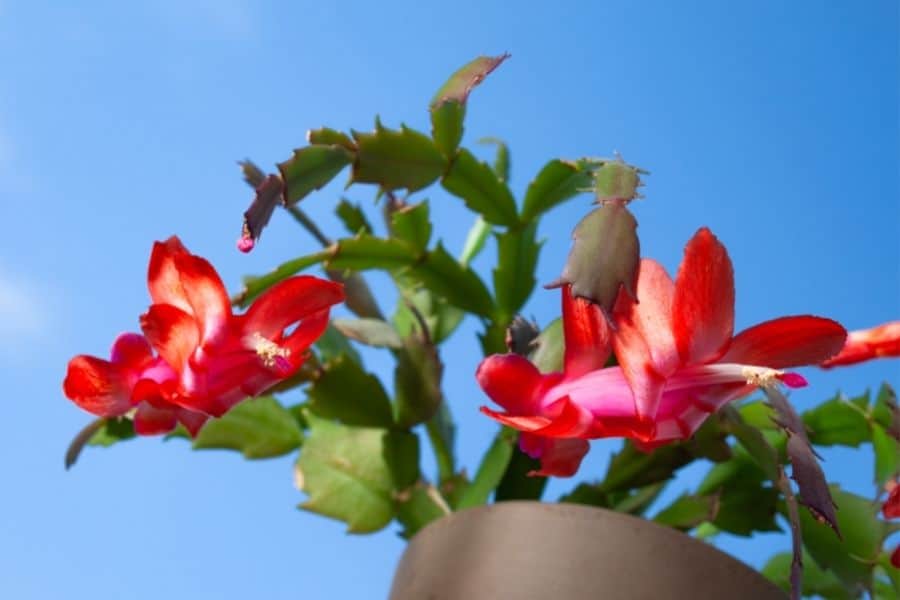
775,124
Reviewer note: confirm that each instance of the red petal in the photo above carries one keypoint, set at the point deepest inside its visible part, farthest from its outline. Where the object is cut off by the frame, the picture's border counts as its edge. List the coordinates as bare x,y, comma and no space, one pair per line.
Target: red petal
308,331
570,420
881,341
150,420
895,557
172,332
192,421
131,351
97,386
511,381
703,305
206,295
891,508
289,302
787,342
643,339
520,423
162,275
560,458
586,334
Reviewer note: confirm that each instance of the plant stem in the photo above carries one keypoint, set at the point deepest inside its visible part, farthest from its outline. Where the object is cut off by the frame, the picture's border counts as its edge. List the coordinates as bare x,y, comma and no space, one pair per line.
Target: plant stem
441,449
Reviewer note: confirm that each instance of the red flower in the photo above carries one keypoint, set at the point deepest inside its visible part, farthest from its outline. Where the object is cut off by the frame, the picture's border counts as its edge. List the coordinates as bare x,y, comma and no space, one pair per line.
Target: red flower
891,508
866,344
678,360
132,379
221,358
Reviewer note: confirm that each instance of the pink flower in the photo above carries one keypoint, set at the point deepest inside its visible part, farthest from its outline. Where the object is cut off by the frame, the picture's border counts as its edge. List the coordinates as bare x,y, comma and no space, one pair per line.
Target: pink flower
878,342
678,359
221,358
133,379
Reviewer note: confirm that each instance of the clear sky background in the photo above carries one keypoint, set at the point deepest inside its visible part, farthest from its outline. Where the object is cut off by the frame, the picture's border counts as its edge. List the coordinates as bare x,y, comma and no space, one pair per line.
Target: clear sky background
774,123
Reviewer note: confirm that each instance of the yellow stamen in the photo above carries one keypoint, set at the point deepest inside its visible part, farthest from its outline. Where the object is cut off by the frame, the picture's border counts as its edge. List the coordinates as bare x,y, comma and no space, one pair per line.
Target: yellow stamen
761,376
268,351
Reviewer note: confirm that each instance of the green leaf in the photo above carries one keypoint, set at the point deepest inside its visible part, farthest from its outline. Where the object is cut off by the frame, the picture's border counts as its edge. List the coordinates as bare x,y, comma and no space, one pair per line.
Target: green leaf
886,412
447,126
459,285
311,168
549,348
397,159
635,503
616,180
344,391
687,511
333,344
836,422
257,427
746,508
501,159
371,332
419,506
346,471
491,470
441,317
757,414
853,558
475,240
353,217
631,468
887,455
816,582
514,275
417,382
556,182
605,256
481,189
464,79
516,483
325,136
754,442
368,252
412,225
256,285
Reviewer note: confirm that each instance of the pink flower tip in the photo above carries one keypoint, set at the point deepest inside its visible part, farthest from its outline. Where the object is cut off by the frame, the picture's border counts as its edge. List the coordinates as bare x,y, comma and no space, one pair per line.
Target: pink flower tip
245,244
793,380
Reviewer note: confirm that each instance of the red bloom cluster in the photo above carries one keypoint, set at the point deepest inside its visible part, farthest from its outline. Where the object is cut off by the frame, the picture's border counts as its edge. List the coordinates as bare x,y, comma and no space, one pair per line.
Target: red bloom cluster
678,362
209,359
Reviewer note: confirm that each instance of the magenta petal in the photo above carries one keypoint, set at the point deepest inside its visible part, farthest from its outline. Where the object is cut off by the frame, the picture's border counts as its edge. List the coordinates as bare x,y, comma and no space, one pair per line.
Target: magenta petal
559,457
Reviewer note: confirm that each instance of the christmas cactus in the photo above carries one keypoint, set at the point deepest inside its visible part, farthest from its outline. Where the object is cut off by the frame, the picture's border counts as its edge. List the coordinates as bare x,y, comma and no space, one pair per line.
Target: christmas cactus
635,354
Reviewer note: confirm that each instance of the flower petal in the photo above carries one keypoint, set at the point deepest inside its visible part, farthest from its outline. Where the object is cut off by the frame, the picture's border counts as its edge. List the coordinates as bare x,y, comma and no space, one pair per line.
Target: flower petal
703,304
192,421
530,423
131,351
307,331
643,340
559,457
151,420
172,332
881,341
587,343
511,381
98,386
290,301
891,508
206,295
787,342
162,274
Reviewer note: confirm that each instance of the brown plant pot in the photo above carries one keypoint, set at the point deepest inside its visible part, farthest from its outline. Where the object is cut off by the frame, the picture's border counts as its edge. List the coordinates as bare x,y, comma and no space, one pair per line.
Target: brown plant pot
536,551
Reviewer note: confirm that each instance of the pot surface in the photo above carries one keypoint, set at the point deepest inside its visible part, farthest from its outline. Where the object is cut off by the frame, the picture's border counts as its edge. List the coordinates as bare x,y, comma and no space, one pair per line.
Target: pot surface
537,551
